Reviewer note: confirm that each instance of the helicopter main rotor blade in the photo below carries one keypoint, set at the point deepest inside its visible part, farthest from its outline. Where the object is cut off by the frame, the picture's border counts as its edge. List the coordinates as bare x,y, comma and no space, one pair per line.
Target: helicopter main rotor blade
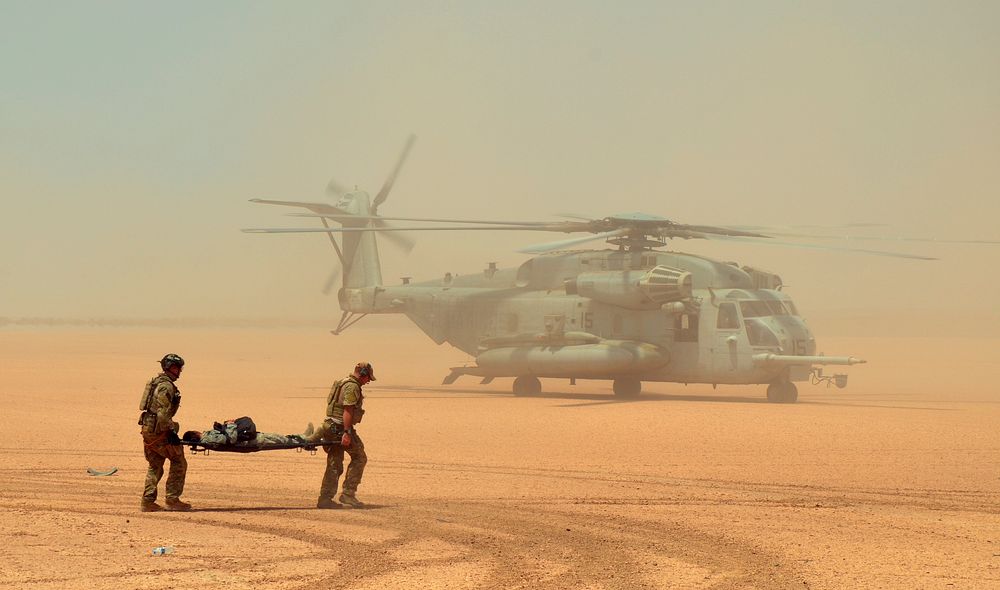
849,238
709,229
421,219
576,216
391,179
337,230
775,228
818,247
314,207
784,233
563,244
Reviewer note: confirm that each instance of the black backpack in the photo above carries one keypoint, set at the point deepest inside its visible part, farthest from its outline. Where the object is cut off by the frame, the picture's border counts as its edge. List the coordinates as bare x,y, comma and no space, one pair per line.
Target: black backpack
245,429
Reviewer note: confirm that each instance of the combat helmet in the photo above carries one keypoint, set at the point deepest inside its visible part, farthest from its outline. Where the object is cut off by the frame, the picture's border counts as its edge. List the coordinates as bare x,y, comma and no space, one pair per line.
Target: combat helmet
170,360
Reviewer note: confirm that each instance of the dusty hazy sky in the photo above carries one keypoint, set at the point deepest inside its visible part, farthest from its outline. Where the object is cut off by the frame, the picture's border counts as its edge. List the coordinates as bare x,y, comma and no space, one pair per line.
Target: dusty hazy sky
132,135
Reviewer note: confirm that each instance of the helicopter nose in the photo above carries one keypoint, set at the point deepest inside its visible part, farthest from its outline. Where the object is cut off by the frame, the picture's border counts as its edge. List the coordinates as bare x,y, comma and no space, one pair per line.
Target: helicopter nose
794,336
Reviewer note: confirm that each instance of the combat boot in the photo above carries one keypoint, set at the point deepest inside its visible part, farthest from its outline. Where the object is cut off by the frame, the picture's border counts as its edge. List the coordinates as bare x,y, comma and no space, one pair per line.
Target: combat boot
178,505
150,506
327,503
351,500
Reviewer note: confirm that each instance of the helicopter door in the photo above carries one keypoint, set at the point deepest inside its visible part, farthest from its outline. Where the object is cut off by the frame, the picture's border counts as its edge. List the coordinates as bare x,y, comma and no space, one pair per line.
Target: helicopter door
726,340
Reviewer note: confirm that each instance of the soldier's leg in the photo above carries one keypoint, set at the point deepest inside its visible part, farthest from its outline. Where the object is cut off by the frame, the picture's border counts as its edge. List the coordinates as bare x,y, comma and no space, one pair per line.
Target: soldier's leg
153,473
317,434
178,472
334,467
356,468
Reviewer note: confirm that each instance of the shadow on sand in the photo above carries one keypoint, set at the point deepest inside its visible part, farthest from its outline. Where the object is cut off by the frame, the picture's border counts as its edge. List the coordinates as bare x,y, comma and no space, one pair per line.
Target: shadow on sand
589,397
598,398
285,508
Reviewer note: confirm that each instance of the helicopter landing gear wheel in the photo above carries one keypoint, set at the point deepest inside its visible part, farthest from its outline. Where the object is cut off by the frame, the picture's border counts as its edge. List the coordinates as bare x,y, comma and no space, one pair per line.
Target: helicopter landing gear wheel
526,385
782,392
627,388
791,393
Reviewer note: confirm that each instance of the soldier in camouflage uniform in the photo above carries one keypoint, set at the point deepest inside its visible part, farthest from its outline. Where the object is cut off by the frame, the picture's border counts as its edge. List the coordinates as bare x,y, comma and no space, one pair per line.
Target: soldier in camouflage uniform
159,403
343,410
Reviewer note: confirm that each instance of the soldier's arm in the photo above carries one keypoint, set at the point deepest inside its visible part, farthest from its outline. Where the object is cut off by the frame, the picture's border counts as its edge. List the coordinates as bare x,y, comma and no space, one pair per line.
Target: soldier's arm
349,399
350,395
163,408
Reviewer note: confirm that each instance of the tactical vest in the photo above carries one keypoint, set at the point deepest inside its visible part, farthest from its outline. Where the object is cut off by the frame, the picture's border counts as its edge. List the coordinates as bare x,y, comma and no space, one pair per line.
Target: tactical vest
147,419
334,401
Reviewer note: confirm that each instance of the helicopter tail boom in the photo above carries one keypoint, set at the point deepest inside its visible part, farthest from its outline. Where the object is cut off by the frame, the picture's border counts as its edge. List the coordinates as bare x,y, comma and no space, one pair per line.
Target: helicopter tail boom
362,267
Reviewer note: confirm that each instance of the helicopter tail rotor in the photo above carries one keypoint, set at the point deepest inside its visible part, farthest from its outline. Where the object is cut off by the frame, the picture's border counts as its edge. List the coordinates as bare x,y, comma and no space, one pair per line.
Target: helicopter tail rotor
383,194
354,212
401,241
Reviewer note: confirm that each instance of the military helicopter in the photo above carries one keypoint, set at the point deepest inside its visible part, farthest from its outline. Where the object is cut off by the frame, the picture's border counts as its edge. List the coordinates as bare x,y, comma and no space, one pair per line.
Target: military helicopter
630,313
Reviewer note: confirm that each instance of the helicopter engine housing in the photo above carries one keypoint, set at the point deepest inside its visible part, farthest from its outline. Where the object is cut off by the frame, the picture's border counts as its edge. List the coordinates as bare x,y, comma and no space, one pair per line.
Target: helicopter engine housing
633,289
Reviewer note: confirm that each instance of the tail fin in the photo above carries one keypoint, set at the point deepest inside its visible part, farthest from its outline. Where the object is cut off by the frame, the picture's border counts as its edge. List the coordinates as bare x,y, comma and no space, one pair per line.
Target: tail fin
362,267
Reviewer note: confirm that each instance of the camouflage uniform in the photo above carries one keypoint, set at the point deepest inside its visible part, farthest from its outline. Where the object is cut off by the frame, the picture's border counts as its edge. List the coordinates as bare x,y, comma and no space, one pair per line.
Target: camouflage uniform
344,393
263,439
266,439
157,422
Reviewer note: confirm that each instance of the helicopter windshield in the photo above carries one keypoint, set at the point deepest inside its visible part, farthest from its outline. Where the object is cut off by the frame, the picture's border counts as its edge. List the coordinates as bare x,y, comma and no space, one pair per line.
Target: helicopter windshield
765,308
759,333
776,307
755,309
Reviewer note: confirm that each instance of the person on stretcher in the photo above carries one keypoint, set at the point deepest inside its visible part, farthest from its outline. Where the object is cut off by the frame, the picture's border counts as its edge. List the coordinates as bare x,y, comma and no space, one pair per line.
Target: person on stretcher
236,433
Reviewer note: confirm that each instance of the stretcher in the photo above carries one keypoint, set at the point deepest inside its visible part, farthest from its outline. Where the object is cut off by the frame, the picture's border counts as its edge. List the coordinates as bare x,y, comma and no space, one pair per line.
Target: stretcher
252,446
240,435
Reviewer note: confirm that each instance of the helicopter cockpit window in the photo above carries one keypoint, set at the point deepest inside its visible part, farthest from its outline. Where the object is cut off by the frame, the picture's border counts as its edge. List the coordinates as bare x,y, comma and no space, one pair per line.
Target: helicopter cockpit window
776,307
728,319
759,334
755,309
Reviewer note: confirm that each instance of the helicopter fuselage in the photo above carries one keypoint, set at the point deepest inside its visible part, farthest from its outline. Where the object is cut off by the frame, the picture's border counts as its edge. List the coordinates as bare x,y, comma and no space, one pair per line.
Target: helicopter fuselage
611,314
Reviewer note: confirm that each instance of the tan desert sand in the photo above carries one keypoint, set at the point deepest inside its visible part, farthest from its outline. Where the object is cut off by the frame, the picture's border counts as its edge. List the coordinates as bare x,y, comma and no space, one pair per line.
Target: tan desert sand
893,482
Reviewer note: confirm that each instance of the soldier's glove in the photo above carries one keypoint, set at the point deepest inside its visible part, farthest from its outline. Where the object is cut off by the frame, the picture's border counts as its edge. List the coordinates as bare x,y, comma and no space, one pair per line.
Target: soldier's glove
172,438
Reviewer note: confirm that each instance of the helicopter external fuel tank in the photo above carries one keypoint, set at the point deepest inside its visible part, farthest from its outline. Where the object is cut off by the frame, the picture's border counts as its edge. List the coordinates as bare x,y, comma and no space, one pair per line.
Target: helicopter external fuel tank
633,289
601,359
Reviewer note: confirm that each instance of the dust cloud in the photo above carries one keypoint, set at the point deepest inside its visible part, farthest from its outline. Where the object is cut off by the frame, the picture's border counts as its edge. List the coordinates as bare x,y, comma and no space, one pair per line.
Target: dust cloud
132,137
130,154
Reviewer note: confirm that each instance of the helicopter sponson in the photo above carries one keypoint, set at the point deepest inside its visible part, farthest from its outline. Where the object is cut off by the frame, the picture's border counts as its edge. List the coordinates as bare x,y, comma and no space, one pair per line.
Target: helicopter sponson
556,357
